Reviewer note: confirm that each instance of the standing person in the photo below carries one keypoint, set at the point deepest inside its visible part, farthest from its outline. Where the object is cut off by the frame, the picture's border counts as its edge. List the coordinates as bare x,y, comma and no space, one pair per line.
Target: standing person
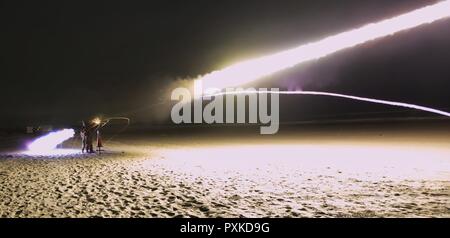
99,141
90,130
83,137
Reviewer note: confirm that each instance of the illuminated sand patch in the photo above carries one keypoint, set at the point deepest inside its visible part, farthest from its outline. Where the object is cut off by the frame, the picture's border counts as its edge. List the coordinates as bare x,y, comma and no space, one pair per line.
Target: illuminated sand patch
302,177
393,161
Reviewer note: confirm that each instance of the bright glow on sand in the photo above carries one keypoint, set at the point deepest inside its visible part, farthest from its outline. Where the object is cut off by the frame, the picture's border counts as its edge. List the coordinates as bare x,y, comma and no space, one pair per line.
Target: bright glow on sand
375,160
253,69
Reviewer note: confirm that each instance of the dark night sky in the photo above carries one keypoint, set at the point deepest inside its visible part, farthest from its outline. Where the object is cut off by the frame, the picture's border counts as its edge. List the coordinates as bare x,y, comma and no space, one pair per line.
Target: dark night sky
65,60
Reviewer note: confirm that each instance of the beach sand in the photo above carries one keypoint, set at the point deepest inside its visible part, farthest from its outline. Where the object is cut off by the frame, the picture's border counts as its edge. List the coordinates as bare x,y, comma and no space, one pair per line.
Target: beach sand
296,174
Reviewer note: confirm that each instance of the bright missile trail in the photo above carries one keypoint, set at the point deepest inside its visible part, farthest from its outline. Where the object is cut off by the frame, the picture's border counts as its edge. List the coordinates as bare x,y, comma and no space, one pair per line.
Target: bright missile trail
253,69
372,100
47,144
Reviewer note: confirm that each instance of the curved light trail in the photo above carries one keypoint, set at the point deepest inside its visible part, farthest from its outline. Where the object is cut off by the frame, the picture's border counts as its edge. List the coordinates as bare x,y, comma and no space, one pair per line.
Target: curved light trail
372,100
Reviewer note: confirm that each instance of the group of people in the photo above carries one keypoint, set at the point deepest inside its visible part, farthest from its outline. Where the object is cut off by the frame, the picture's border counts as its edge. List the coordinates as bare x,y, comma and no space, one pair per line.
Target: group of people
87,133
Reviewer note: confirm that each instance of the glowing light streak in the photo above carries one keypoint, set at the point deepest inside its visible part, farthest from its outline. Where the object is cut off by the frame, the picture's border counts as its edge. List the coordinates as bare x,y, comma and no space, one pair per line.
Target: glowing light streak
48,143
253,69
372,100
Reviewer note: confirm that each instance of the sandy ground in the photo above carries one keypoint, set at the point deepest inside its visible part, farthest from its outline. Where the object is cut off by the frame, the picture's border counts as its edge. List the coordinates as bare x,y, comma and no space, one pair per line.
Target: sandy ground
298,174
